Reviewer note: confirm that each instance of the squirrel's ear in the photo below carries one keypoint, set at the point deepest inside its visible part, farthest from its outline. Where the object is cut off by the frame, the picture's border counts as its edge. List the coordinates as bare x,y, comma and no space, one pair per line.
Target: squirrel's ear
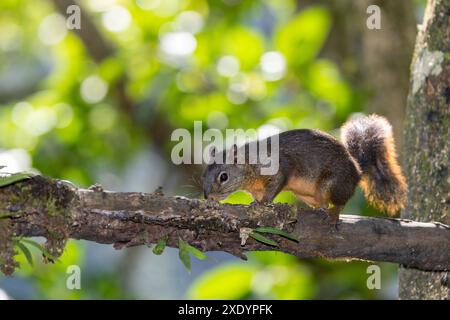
212,155
234,153
212,152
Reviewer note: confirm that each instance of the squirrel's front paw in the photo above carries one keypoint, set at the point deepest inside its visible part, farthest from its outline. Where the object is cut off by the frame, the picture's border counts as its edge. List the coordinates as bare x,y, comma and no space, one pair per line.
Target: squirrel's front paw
330,217
333,221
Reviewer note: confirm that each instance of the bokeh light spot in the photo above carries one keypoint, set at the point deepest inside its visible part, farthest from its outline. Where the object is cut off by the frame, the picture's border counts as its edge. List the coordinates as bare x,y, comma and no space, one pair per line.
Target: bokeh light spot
35,121
116,19
189,21
93,89
217,120
267,130
273,65
228,66
15,160
52,29
148,4
178,44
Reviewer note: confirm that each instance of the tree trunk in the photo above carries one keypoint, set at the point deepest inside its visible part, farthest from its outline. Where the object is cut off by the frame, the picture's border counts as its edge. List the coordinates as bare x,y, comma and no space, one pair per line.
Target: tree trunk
427,142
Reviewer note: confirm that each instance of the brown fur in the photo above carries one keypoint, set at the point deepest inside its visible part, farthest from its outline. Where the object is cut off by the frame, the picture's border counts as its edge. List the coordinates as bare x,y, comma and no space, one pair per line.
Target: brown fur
256,188
305,190
322,171
370,141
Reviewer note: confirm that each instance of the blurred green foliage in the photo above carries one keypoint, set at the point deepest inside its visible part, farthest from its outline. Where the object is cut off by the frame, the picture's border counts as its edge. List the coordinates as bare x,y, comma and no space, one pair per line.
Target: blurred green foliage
230,63
276,275
272,275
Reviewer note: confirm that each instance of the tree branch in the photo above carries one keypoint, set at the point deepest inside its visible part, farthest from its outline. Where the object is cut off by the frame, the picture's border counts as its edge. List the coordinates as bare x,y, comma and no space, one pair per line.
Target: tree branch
58,210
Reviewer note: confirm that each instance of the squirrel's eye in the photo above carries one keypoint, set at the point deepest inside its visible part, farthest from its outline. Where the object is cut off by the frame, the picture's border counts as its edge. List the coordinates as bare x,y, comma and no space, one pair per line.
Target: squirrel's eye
223,177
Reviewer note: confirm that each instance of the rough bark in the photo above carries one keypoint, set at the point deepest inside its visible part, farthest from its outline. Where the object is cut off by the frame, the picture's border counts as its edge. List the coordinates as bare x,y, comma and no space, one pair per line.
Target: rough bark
57,210
427,142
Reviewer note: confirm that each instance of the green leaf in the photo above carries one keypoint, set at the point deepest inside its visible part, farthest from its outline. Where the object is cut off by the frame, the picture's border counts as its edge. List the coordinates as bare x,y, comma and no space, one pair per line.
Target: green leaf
41,248
194,251
7,215
244,43
276,231
8,179
263,239
324,80
301,39
184,255
26,251
185,252
160,246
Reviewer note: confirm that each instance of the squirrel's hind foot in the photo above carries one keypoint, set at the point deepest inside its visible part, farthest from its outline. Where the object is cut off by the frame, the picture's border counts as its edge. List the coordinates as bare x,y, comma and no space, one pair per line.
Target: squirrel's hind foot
332,216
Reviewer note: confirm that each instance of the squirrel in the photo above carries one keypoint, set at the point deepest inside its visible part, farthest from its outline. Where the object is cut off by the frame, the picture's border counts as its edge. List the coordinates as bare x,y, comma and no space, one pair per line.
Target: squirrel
320,170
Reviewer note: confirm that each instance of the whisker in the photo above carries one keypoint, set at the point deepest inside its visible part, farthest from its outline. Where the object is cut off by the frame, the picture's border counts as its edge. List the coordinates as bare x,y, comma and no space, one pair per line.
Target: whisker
196,180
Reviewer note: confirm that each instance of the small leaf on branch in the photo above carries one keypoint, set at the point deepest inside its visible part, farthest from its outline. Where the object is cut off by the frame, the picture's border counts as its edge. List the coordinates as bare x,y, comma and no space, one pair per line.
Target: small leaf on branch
47,254
184,255
261,238
277,231
25,250
160,245
186,250
8,179
7,215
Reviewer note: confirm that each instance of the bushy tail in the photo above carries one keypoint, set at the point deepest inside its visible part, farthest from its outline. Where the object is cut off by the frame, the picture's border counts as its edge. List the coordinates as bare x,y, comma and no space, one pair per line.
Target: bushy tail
370,141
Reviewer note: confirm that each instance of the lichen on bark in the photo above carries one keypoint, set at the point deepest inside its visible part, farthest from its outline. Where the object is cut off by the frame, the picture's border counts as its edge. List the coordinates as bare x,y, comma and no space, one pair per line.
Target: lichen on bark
427,142
7,252
28,199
